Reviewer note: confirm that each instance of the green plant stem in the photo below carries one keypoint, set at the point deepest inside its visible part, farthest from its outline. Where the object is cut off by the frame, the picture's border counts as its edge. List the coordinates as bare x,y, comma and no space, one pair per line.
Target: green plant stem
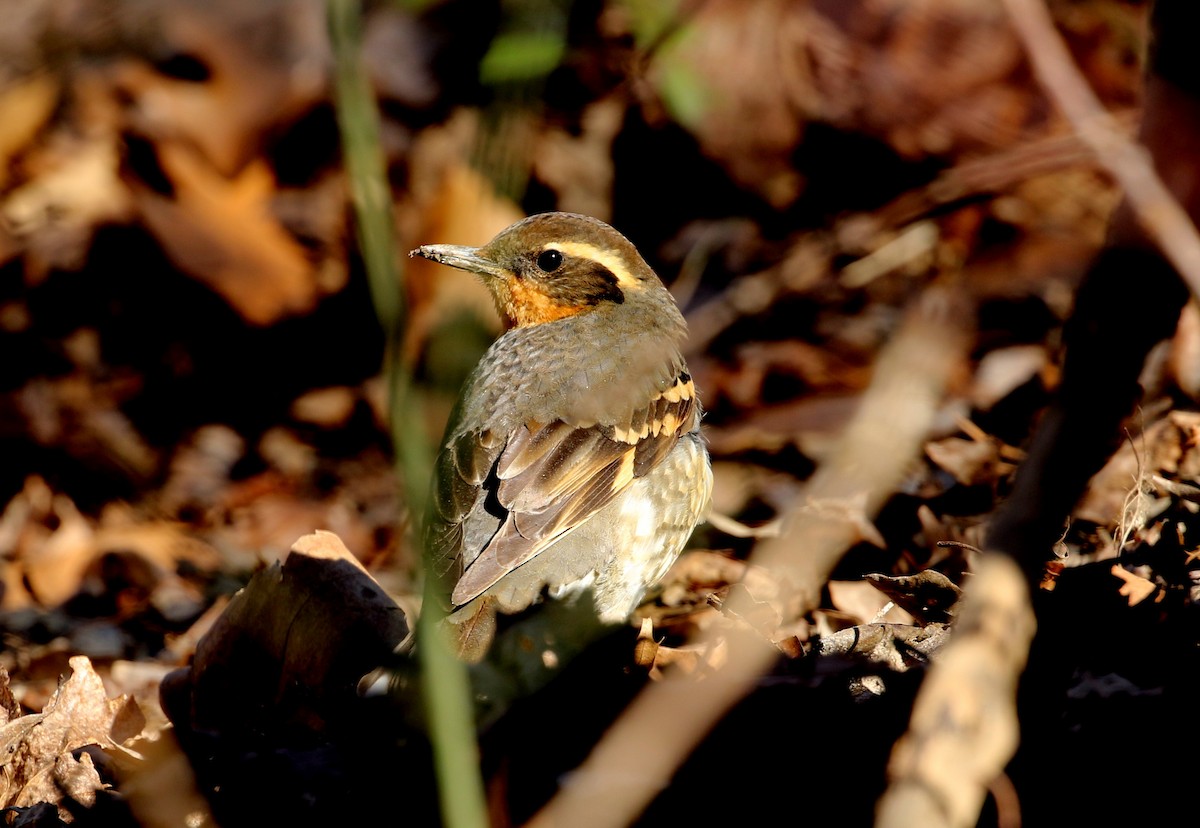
444,682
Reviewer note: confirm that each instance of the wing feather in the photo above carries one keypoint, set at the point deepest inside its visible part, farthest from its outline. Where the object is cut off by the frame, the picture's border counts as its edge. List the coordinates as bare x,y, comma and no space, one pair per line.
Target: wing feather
550,478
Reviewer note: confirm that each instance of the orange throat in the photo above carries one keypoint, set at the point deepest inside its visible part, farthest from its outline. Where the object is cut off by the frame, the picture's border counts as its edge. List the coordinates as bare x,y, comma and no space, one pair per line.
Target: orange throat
523,305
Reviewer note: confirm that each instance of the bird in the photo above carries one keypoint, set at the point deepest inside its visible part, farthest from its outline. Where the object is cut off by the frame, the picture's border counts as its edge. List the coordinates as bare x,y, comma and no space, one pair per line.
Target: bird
573,458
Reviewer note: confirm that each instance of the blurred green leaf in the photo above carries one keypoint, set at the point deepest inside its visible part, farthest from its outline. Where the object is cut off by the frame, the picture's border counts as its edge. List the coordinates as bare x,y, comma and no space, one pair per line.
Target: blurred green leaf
660,29
522,56
651,19
684,93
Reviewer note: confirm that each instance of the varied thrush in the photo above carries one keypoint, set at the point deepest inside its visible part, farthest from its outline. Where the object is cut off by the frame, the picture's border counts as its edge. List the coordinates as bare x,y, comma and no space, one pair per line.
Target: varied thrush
573,458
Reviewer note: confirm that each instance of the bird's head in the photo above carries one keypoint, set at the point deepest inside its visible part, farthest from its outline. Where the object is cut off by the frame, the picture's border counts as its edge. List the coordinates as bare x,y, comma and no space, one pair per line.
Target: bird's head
551,266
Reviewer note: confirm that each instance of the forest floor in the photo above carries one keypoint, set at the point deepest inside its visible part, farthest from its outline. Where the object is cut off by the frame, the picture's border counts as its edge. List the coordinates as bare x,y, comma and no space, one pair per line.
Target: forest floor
205,549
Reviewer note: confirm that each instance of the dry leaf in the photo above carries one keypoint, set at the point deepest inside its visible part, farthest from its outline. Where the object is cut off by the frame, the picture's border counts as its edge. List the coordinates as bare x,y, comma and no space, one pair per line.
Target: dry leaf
56,565
25,106
971,462
55,568
291,646
222,232
862,602
450,203
40,765
1003,370
1135,588
262,65
929,595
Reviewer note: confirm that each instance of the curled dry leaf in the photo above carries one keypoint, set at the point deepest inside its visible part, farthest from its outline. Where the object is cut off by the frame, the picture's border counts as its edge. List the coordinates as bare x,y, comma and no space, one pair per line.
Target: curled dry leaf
42,758
55,568
971,462
929,595
291,646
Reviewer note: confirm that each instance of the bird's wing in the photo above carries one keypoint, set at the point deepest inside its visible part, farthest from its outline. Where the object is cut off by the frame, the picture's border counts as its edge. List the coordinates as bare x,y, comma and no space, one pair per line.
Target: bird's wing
551,477
463,469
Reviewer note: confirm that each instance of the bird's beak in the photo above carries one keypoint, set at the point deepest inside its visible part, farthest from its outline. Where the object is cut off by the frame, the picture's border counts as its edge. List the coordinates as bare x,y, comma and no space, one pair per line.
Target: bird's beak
464,258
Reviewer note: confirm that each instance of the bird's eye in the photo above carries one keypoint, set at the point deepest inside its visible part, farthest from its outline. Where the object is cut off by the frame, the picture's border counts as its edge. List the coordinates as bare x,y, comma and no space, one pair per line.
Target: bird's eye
549,260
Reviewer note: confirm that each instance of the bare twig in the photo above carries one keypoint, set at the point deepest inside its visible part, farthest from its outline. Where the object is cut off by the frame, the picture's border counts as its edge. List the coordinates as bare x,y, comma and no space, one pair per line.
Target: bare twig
959,545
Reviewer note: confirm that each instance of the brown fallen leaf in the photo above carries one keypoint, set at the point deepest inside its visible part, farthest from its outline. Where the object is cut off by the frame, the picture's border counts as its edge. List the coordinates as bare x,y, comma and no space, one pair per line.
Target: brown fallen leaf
55,552
54,568
41,759
291,646
25,106
1135,588
222,232
970,462
451,203
929,595
862,602
257,67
